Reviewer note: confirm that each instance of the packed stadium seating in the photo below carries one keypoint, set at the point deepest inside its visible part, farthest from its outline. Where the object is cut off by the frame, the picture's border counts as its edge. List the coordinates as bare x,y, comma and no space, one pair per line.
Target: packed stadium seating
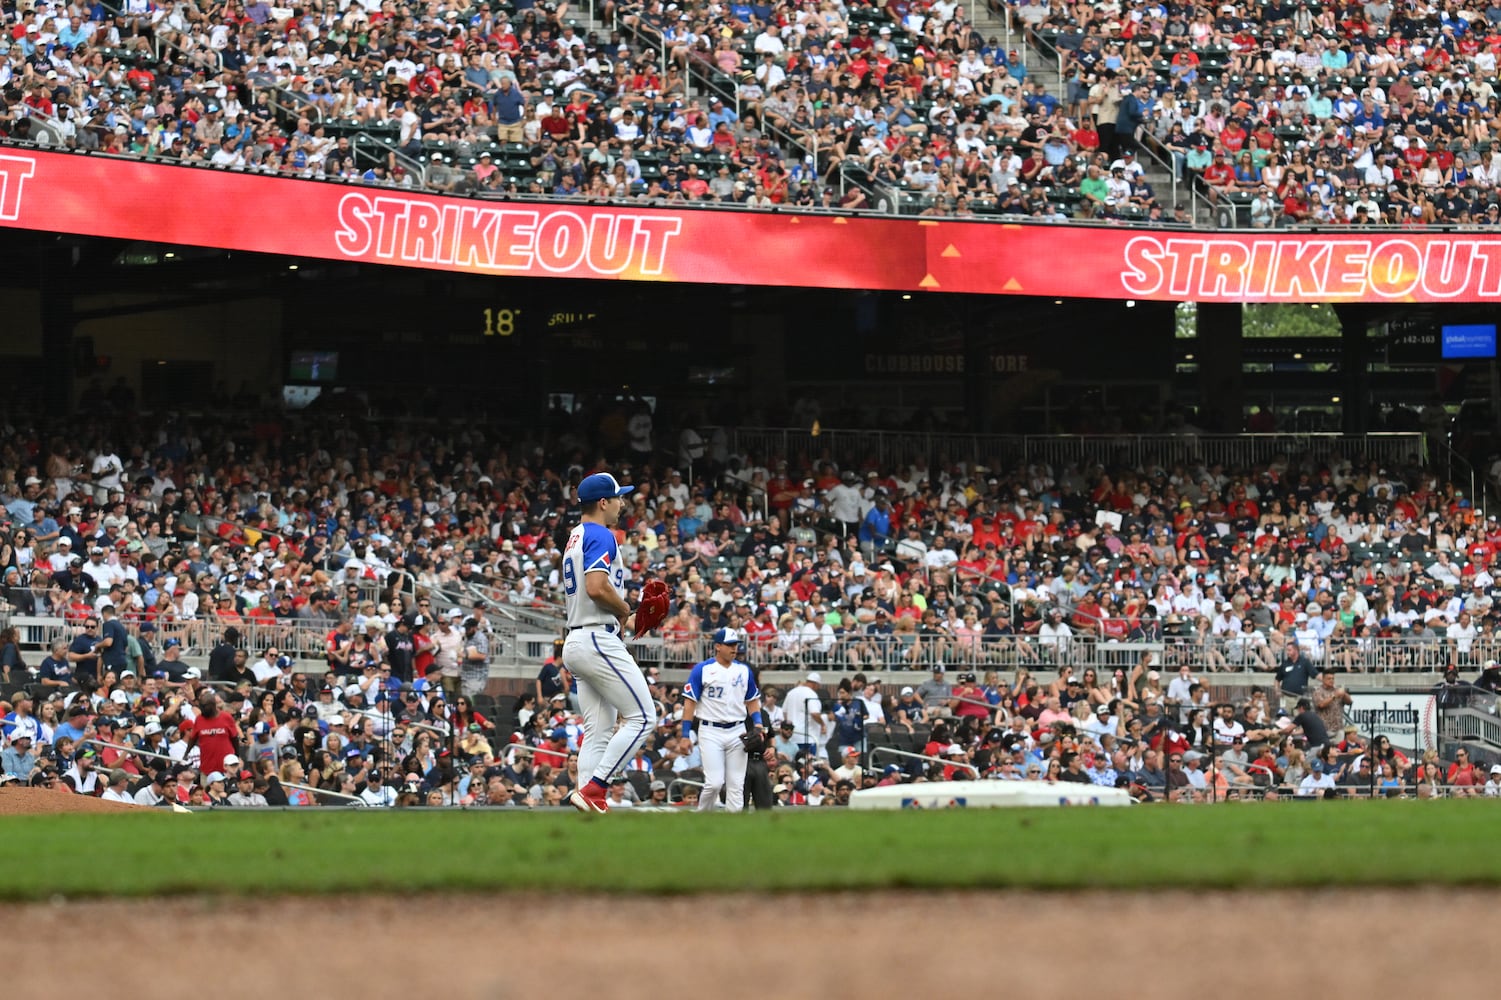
1066,605
1279,113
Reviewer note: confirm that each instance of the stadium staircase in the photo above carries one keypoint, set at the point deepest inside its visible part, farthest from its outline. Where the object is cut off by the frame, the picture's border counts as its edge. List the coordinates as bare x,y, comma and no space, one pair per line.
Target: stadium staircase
1042,61
1475,726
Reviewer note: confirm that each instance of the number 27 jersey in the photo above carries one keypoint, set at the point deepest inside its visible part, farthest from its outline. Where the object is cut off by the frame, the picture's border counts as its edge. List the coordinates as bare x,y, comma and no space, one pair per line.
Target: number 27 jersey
591,548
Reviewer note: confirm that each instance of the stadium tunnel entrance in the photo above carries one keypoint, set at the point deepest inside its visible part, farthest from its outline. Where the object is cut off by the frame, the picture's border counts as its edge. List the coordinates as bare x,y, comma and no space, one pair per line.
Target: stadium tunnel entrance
185,327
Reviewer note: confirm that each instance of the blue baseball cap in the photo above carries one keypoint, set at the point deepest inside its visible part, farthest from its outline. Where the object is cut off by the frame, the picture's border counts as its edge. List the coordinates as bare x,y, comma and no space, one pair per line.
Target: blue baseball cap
727,637
601,486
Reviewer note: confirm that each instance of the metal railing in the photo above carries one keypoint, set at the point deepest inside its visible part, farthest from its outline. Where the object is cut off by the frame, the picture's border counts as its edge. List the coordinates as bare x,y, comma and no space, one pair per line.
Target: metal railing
414,168
503,613
1323,229
910,755
1455,465
300,640
299,105
893,449
714,82
1148,143
134,751
1211,654
1253,768
541,613
1472,724
316,792
677,783
1430,652
516,749
194,56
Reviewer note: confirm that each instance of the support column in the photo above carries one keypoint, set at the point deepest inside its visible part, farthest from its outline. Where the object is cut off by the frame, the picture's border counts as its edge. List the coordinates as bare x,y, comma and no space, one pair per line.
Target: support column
764,337
1355,381
980,383
1218,352
57,329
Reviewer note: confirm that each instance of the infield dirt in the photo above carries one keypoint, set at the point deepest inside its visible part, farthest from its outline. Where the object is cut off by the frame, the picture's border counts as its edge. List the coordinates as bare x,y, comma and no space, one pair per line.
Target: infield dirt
1164,945
15,801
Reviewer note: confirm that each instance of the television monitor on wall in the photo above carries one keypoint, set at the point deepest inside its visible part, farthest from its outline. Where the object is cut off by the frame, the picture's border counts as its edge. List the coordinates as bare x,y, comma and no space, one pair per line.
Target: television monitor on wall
1476,340
314,366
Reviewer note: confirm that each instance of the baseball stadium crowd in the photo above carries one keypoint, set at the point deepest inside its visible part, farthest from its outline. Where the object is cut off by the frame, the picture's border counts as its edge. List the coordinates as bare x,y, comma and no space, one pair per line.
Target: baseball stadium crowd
1295,112
265,541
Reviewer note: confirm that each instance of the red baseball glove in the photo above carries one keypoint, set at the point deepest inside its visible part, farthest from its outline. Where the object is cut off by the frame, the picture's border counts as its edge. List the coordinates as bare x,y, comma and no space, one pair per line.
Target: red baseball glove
652,611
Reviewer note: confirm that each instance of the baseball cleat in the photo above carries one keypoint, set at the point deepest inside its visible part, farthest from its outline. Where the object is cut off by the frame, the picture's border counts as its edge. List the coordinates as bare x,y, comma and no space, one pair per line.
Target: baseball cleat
589,799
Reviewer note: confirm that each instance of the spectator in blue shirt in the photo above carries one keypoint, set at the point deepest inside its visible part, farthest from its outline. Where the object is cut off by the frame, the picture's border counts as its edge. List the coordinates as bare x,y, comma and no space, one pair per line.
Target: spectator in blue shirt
113,640
56,670
849,718
82,651
719,113
77,726
875,529
18,759
509,106
1041,101
1368,115
908,710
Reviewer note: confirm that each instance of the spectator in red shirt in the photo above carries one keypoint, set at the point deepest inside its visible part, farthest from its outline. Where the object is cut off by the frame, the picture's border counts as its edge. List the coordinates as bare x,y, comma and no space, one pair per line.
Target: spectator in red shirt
966,695
694,186
1087,615
1463,771
1295,205
1232,136
214,734
1219,176
424,649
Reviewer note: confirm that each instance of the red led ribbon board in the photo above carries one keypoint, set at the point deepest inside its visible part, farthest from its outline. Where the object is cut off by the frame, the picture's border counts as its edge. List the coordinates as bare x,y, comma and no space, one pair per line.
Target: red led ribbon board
159,203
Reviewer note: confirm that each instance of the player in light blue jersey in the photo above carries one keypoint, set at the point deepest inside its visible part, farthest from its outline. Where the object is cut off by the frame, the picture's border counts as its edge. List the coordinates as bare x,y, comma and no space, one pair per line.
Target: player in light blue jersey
609,681
719,692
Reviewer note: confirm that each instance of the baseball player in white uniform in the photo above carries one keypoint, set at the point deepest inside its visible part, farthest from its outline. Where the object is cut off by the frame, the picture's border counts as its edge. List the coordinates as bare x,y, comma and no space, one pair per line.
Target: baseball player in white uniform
719,692
609,681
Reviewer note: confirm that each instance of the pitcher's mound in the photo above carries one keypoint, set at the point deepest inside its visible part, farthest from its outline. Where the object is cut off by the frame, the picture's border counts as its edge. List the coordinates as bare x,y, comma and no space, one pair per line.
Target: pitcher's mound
42,802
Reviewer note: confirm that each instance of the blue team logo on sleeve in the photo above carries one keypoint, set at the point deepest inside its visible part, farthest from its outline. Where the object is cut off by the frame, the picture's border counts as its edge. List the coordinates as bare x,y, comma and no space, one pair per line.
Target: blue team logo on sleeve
599,547
695,683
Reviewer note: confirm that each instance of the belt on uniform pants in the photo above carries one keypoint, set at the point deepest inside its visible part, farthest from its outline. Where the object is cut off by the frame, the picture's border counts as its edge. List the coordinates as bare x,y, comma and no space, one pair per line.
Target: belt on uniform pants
612,629
722,725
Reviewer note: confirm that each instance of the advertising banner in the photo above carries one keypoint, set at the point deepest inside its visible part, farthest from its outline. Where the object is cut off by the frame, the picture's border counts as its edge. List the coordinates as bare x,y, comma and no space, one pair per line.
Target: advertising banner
1410,721
133,199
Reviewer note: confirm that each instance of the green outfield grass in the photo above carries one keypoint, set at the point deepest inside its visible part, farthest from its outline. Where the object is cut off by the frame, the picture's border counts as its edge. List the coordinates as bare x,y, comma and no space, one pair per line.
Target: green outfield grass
1226,846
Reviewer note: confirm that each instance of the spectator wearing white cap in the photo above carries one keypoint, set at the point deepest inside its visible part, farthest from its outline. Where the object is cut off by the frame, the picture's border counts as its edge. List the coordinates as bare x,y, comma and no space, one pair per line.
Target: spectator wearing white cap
99,568
18,758
804,710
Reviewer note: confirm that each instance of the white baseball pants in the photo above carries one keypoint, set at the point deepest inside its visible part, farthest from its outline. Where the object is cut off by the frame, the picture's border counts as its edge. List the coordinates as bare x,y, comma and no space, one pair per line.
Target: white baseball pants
610,685
724,760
